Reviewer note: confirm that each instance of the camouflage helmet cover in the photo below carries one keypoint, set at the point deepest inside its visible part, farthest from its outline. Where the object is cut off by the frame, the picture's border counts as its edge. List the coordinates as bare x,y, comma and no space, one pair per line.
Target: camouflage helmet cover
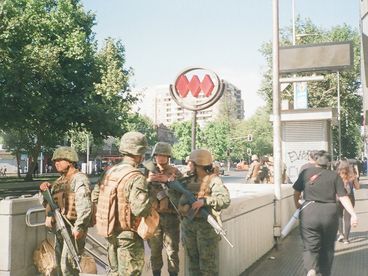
134,143
201,157
162,148
254,157
65,153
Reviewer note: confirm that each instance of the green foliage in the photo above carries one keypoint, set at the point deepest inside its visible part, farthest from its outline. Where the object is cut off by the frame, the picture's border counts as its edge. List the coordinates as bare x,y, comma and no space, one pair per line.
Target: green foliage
53,79
260,127
183,133
216,138
143,124
324,93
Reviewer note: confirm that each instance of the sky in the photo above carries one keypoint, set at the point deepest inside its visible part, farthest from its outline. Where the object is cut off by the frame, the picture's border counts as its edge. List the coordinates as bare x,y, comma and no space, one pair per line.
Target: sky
163,37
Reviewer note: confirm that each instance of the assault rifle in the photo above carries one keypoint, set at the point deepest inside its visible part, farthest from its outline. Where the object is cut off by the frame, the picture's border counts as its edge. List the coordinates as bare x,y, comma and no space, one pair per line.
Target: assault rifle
60,224
150,166
176,185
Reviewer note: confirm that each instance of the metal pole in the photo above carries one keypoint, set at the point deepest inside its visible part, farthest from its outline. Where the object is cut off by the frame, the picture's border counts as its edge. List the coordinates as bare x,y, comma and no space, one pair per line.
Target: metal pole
41,163
293,18
276,119
87,167
294,42
194,129
339,111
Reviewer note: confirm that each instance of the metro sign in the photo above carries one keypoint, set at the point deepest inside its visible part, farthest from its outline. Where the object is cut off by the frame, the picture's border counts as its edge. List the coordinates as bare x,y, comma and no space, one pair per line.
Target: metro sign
197,89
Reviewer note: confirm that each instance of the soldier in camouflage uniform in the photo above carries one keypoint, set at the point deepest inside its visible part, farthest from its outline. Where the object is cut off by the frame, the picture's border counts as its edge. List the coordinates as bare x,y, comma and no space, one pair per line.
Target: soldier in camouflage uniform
125,246
168,233
72,193
199,239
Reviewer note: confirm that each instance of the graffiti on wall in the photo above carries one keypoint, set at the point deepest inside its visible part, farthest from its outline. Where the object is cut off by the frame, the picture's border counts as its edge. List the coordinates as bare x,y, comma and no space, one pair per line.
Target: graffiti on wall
294,160
301,155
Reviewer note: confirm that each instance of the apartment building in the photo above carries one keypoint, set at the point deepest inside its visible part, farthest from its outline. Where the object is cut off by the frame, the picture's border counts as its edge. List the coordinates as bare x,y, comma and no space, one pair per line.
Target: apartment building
157,104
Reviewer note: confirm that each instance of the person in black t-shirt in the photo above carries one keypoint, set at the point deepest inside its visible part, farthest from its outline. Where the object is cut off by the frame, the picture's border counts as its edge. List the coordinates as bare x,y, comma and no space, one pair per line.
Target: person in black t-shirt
319,218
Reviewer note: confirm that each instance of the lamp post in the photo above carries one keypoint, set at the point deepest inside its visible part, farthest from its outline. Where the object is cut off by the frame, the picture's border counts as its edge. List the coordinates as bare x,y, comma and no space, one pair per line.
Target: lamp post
276,118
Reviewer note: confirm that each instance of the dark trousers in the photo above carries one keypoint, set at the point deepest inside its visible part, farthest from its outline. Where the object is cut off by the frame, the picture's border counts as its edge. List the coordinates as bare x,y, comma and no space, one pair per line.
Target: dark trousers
344,219
318,229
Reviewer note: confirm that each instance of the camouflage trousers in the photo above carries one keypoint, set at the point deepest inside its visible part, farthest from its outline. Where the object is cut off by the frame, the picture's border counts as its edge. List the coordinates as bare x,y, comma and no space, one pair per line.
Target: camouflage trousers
125,252
66,264
201,246
167,235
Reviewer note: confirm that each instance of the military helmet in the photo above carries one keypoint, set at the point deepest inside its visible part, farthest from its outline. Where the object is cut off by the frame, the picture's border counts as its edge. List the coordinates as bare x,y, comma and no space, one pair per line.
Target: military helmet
134,143
162,148
65,153
254,157
201,157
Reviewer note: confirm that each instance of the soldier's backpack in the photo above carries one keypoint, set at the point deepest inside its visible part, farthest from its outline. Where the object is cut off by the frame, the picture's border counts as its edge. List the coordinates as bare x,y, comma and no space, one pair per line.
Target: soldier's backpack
107,204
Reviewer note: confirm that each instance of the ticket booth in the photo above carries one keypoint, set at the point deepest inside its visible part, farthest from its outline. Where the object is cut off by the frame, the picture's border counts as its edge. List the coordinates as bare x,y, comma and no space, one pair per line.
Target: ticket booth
304,130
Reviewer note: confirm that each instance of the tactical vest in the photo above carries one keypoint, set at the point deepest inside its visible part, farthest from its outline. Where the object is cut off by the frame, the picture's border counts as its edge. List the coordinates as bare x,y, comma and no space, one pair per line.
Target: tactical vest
63,184
203,190
113,208
200,190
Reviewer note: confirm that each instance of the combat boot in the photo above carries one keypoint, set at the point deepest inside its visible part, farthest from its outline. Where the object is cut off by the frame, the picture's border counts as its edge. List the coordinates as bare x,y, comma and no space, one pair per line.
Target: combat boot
156,273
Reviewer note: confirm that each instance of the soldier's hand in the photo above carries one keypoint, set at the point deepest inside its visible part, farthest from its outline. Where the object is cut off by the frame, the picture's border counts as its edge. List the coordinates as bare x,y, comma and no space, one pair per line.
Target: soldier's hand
198,204
158,177
77,234
44,186
49,222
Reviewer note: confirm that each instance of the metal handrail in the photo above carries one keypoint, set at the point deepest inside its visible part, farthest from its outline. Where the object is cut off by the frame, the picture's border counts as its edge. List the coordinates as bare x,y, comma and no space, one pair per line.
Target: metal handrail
89,236
30,212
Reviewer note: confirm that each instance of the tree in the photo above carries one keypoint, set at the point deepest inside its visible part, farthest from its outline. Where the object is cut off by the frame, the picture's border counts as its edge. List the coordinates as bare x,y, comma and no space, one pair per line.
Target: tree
216,138
260,127
144,125
53,79
324,93
183,133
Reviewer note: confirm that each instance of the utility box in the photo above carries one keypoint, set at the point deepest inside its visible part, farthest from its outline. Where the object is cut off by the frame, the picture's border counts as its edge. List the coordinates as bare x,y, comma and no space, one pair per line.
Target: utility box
304,130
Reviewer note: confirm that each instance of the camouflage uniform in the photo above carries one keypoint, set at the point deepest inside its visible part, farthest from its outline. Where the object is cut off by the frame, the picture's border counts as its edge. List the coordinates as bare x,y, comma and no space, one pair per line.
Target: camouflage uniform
126,248
77,183
168,232
199,239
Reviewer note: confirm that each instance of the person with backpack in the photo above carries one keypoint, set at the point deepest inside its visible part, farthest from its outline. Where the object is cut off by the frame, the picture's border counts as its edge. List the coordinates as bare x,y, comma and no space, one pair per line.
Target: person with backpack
165,201
72,194
123,201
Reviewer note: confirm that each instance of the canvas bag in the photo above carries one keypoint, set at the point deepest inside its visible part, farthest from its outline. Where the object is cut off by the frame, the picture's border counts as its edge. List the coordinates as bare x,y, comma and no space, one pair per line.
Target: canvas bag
44,258
148,225
88,264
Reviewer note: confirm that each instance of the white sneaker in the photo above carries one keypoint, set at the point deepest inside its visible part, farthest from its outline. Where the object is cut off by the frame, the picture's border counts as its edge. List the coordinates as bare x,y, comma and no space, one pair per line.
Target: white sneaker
340,238
311,272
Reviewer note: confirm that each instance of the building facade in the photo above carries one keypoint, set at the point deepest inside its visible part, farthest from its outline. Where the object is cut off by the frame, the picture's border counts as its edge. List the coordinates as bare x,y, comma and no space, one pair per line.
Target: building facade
157,104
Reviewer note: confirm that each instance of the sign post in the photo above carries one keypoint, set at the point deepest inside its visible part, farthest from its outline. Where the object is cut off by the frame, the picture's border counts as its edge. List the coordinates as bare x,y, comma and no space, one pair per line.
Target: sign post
196,89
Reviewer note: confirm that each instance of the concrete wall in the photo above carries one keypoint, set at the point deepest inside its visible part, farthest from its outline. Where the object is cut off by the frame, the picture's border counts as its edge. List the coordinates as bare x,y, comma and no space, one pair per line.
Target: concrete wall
17,240
248,223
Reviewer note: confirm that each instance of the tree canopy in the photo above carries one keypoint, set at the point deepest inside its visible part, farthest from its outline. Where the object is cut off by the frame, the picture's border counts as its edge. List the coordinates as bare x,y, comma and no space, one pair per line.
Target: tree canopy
53,79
